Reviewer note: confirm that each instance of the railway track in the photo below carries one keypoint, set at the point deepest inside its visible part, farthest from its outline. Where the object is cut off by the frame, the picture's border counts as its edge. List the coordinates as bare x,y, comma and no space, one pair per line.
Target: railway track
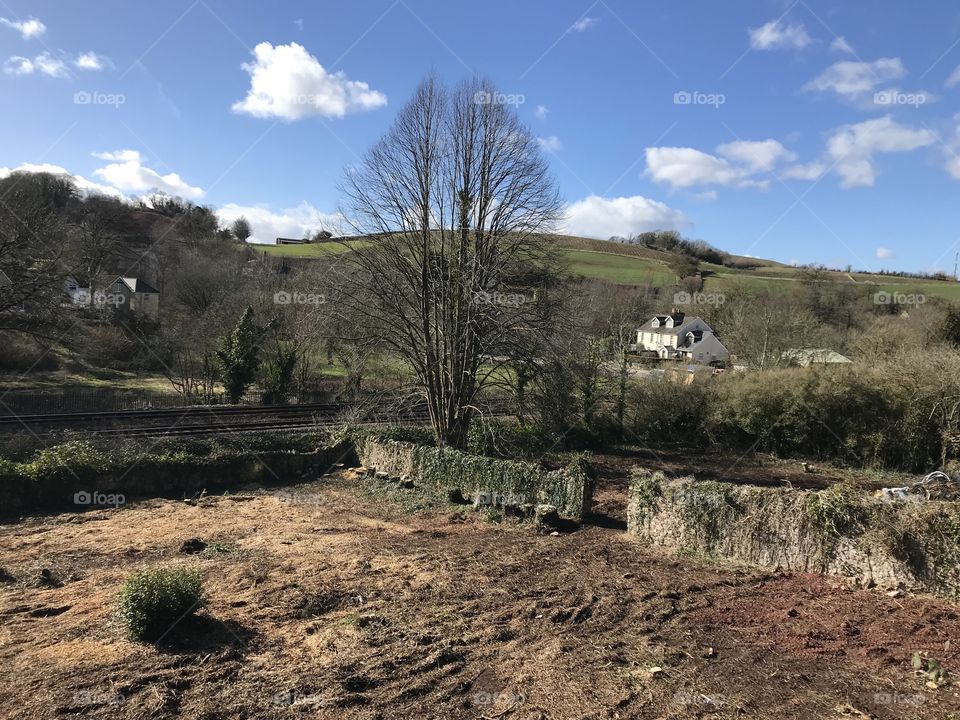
191,411
196,420
205,420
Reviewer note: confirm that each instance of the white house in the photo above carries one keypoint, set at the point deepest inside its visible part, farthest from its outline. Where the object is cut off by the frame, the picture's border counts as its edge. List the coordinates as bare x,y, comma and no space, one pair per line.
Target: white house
78,293
678,337
125,294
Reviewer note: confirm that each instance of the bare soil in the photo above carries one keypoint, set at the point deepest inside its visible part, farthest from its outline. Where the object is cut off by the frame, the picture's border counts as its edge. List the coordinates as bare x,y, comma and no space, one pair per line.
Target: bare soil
333,600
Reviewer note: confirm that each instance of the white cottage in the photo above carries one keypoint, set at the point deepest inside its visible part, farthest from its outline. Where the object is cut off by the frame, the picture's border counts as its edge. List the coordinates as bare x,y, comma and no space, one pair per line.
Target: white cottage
679,337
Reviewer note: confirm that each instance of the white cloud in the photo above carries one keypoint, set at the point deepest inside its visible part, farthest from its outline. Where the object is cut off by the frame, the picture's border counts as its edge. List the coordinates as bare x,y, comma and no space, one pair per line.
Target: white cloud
840,44
551,144
541,112
583,24
776,35
685,167
29,28
884,253
86,187
736,164
118,155
852,147
854,80
91,61
127,173
600,217
756,155
288,82
951,151
954,78
268,225
44,63
809,171
953,166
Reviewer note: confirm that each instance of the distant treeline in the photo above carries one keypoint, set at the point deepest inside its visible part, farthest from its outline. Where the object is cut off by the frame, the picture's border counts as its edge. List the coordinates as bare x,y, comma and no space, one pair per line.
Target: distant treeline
939,275
672,241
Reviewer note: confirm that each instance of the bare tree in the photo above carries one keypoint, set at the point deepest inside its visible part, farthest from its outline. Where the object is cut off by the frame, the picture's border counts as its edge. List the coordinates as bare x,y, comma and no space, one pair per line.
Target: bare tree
458,197
32,242
241,229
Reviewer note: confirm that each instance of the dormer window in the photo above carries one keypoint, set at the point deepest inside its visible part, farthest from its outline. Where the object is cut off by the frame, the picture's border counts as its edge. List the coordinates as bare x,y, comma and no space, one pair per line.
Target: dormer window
656,322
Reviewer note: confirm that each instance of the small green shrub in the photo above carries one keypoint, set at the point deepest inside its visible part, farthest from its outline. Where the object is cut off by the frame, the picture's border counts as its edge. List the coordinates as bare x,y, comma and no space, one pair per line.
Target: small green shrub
9,471
151,602
492,515
69,461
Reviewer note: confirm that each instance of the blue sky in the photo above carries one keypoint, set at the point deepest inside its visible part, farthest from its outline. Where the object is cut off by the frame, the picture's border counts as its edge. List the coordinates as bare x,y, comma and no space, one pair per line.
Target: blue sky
806,131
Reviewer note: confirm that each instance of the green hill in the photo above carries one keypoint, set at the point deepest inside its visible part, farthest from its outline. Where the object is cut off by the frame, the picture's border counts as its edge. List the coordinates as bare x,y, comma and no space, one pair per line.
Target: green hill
637,265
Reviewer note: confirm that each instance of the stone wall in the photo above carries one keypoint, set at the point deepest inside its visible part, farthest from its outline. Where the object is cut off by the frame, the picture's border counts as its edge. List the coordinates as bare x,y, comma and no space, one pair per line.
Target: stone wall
486,480
837,531
23,488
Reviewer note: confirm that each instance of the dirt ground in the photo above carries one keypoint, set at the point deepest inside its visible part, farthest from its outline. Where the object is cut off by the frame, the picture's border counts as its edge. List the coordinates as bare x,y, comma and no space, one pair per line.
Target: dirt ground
333,600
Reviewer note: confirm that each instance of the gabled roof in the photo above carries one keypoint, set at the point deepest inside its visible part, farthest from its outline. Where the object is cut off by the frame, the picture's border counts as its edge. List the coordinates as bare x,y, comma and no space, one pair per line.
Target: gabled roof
684,320
139,286
694,347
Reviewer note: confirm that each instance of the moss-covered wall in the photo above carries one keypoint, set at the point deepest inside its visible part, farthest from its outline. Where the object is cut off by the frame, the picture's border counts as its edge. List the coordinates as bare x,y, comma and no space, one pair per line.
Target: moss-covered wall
445,470
839,531
56,475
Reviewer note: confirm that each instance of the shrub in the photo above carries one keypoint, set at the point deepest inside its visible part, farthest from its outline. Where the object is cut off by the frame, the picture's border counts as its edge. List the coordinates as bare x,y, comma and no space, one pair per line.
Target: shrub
64,463
151,602
505,438
858,415
406,433
662,411
9,471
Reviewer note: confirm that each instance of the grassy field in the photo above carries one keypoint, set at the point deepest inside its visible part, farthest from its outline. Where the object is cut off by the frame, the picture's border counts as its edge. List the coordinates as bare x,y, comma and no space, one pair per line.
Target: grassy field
635,265
312,250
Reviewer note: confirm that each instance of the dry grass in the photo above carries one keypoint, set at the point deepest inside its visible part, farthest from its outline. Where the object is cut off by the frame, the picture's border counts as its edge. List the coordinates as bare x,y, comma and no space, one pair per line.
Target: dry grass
327,601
